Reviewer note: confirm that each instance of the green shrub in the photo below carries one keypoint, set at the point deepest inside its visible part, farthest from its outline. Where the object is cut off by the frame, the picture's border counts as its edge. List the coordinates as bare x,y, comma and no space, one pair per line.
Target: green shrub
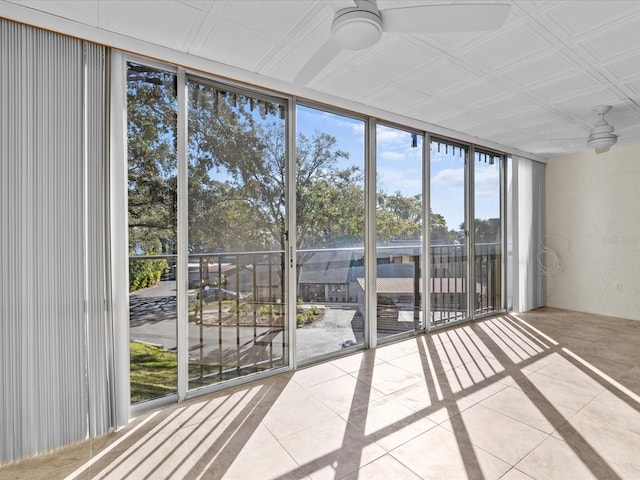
311,315
267,309
145,273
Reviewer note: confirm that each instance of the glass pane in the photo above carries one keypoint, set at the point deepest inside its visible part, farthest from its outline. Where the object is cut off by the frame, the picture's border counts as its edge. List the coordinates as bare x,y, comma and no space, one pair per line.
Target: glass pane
448,281
488,233
152,164
237,160
330,210
399,229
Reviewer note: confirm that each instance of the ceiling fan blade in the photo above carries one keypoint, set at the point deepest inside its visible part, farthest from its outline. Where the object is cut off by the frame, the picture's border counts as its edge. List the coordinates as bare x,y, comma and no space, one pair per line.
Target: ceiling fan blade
457,17
318,61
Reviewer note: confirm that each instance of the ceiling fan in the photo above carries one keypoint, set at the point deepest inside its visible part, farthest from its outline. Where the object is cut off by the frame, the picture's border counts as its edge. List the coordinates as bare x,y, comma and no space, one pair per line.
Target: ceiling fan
601,136
360,27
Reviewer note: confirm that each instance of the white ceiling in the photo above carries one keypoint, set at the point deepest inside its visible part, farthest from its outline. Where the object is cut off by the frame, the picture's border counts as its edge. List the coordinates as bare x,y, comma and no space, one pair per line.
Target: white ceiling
530,85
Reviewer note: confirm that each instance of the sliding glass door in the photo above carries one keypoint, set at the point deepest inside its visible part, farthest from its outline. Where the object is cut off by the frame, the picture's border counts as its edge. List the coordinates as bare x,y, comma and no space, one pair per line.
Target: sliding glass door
236,194
398,231
219,273
330,227
487,238
152,195
235,312
449,275
466,232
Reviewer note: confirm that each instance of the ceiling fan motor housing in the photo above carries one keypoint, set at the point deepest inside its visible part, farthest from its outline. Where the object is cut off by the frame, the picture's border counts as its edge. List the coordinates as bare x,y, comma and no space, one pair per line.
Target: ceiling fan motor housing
356,29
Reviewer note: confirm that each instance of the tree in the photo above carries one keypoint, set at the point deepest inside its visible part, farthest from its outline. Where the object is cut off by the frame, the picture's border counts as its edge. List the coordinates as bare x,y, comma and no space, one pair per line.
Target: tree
237,177
236,172
152,160
398,217
487,231
440,233
329,200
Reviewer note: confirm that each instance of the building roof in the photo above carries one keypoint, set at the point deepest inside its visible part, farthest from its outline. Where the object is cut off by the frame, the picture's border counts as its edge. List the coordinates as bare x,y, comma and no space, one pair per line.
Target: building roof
404,286
330,266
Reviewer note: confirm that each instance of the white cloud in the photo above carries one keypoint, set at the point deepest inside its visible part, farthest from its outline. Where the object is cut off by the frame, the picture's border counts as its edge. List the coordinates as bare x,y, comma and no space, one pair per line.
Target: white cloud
356,126
400,158
449,177
406,181
487,181
392,137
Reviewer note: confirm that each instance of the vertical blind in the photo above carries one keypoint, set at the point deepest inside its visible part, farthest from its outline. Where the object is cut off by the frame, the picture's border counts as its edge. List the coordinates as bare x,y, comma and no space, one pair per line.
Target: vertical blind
526,219
54,332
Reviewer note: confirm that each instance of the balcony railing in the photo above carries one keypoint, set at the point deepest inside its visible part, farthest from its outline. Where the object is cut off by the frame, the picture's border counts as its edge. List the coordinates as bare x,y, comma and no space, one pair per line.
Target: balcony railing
236,301
236,317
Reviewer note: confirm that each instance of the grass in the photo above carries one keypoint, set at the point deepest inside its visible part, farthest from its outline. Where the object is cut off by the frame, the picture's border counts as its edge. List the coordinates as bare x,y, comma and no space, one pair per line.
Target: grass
154,372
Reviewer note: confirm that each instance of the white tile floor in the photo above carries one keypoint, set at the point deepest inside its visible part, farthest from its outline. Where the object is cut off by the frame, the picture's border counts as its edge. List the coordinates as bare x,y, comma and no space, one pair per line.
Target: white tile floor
550,394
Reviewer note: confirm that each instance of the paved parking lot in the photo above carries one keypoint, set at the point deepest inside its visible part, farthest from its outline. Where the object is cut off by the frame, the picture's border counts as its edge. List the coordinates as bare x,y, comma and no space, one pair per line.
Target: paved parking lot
153,320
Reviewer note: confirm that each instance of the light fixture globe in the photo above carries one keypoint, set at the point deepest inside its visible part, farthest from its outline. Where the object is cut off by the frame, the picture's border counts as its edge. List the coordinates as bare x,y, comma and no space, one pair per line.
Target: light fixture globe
601,145
356,29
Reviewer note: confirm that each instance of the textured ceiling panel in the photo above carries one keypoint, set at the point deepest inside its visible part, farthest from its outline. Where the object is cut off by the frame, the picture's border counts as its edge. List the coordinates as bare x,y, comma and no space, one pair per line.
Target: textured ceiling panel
533,116
83,12
590,15
284,64
400,57
539,69
584,101
564,87
625,67
509,48
474,93
503,106
634,86
169,24
203,5
441,77
436,109
617,40
355,84
392,96
218,41
275,18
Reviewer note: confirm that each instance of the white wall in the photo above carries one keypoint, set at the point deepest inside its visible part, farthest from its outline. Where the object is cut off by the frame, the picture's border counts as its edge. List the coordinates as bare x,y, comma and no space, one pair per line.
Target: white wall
593,223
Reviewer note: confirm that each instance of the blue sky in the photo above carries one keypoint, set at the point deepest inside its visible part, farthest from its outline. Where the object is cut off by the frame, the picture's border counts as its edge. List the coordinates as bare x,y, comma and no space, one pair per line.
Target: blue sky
399,165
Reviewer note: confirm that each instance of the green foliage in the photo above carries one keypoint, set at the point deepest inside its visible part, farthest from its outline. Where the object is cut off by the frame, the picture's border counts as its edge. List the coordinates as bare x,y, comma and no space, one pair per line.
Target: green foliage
194,306
153,372
487,231
237,176
306,314
238,312
236,171
440,232
146,273
152,159
268,309
398,217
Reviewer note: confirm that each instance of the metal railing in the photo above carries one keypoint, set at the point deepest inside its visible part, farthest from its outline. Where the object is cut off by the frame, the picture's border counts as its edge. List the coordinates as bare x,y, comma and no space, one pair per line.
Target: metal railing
236,314
236,300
